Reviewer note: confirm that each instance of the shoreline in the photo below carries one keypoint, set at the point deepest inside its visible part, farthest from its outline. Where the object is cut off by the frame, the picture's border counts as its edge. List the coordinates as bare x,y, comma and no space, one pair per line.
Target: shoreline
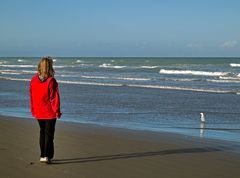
86,150
167,131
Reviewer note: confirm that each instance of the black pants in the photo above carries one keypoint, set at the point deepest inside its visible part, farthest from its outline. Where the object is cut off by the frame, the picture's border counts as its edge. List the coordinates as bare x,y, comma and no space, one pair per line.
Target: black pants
47,129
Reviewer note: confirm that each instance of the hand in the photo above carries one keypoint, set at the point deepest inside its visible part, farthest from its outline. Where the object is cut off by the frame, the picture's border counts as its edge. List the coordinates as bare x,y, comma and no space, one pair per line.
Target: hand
58,115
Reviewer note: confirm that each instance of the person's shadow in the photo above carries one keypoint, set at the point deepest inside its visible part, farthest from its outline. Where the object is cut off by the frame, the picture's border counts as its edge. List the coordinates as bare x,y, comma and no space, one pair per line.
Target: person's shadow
138,155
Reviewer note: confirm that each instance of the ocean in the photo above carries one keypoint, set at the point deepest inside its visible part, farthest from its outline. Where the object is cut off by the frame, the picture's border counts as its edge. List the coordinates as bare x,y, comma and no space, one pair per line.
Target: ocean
155,94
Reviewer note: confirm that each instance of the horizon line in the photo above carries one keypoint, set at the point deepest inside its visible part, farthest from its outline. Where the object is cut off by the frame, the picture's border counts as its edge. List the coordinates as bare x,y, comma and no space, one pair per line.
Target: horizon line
125,56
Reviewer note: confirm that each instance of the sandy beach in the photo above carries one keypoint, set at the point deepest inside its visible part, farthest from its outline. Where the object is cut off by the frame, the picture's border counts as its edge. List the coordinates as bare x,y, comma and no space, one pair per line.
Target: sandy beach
83,150
144,89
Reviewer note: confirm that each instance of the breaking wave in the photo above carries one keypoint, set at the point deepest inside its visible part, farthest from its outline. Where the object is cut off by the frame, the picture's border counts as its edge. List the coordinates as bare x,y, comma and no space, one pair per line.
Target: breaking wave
118,78
132,85
192,72
13,65
106,65
149,67
234,65
25,66
21,60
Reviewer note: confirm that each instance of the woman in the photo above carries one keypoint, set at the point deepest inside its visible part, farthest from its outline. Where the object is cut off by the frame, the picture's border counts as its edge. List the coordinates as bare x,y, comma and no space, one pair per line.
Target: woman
45,106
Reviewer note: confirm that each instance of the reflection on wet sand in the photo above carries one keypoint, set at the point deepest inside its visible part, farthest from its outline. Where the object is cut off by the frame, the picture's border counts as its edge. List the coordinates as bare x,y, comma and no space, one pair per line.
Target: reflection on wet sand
202,128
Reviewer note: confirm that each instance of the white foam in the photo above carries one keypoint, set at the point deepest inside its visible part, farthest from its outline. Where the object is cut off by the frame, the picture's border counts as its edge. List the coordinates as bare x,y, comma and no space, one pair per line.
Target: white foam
131,78
227,78
79,61
28,71
234,65
17,72
12,65
149,67
83,64
118,78
20,60
107,65
11,73
15,79
89,83
223,81
118,67
61,66
3,62
27,66
181,88
66,75
192,72
181,79
236,77
94,77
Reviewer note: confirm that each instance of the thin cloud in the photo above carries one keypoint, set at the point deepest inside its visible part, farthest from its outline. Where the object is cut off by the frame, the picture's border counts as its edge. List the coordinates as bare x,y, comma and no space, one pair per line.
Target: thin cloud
229,44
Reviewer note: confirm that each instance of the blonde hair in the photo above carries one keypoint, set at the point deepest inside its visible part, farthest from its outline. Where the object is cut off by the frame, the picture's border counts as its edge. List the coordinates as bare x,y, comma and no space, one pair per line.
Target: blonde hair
45,67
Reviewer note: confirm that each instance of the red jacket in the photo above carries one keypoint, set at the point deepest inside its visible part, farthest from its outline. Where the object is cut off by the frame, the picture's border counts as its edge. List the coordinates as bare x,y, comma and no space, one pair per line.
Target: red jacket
44,98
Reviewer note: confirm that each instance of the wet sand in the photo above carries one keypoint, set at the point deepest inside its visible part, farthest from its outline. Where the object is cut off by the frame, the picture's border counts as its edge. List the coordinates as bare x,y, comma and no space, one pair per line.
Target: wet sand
84,150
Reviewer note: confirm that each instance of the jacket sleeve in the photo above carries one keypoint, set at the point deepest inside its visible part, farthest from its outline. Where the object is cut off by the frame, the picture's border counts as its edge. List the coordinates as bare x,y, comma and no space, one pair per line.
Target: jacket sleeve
31,99
54,97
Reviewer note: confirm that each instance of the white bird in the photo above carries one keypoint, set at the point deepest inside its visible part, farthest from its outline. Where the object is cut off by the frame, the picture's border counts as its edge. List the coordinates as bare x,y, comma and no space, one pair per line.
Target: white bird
202,117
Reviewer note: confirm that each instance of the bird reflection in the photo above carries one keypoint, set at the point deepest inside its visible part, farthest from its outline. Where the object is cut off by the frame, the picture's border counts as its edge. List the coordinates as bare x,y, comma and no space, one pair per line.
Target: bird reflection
202,128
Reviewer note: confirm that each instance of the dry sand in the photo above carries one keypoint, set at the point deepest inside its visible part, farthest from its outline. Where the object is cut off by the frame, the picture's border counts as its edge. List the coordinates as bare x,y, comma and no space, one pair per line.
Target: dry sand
91,151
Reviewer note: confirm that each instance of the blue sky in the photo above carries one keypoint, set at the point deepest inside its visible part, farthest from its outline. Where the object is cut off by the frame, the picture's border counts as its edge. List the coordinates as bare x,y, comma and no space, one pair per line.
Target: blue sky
120,28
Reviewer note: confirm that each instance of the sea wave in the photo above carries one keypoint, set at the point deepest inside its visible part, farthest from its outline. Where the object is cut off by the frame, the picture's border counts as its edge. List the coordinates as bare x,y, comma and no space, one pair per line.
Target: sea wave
88,83
192,72
15,79
107,65
62,66
17,72
28,71
183,88
234,65
3,62
182,79
13,65
223,81
10,73
79,61
237,77
118,78
227,78
132,78
21,60
94,77
149,67
66,75
26,66
133,85
84,65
